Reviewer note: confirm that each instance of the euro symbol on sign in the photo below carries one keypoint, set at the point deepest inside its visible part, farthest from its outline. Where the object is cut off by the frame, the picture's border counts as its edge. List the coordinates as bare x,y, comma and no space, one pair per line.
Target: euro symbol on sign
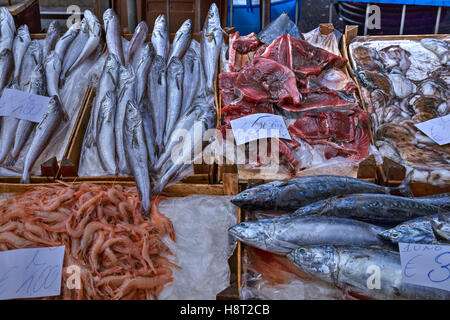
374,280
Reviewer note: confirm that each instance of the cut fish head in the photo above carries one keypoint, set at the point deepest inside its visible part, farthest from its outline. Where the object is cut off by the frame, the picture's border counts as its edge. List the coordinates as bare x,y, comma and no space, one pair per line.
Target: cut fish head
416,231
253,233
258,197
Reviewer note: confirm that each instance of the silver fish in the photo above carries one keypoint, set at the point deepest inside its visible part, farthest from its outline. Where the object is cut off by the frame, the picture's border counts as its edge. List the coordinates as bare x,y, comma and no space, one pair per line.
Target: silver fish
75,48
192,70
175,74
439,47
7,29
20,45
44,131
282,235
106,138
32,57
52,72
346,267
160,37
156,88
149,133
6,67
95,33
51,38
224,59
182,40
127,93
142,68
211,45
139,36
113,38
8,132
136,152
64,42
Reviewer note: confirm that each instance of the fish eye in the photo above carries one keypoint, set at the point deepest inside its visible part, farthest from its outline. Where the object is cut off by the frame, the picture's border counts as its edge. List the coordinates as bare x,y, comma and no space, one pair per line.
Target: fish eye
245,194
394,235
402,227
302,250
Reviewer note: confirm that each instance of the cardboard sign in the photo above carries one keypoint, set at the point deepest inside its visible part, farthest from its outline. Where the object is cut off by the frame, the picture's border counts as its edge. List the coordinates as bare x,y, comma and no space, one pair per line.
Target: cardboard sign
31,273
426,265
259,126
23,105
437,129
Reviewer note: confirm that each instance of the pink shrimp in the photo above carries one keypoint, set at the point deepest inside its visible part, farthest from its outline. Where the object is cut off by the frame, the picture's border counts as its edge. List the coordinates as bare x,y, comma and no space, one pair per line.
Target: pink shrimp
91,228
141,283
95,250
161,219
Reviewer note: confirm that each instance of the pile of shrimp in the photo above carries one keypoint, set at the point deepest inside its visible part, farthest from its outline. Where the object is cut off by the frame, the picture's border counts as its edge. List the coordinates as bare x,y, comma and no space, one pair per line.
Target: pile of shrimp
119,252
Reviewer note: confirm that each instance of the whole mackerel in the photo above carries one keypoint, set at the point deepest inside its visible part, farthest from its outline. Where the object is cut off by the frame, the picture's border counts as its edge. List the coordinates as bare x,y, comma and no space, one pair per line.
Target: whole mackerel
282,235
53,67
7,132
297,192
380,209
156,88
347,267
106,138
149,132
136,151
64,42
7,29
32,58
6,67
175,73
20,45
192,69
142,69
75,48
160,37
51,38
113,37
211,45
137,41
44,130
181,41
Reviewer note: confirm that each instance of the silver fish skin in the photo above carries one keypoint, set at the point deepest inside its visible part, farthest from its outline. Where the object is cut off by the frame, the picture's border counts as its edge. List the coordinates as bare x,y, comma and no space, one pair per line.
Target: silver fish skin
211,44
380,209
7,29
106,145
64,42
95,33
160,37
175,73
181,41
75,48
439,47
8,132
297,192
52,72
32,57
156,89
136,151
6,67
192,69
51,38
282,235
149,132
142,68
137,41
224,59
20,45
127,93
419,230
113,37
44,131
346,267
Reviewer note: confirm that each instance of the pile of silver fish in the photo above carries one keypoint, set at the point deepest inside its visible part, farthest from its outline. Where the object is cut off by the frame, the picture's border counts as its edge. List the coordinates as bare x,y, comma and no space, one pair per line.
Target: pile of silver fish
333,227
405,82
39,67
150,98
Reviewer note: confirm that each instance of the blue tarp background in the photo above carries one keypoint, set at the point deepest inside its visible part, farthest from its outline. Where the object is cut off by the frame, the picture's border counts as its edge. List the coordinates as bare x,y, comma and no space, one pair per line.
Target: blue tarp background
443,3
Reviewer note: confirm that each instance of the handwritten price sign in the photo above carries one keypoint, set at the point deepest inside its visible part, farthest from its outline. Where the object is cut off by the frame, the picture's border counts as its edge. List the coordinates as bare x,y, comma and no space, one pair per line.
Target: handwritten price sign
23,105
426,265
437,129
31,273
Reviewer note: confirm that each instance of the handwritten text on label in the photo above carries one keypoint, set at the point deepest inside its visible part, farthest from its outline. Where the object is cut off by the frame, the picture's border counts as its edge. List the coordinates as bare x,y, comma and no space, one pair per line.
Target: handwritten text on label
437,129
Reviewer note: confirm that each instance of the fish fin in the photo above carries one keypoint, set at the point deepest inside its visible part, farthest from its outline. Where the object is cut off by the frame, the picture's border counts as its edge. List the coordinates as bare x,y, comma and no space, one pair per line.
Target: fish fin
404,188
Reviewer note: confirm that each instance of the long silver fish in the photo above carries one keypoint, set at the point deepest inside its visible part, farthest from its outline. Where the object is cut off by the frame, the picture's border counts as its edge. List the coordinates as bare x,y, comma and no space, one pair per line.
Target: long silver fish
282,235
160,37
75,48
113,37
95,33
181,41
347,267
51,38
6,67
106,145
7,29
64,42
175,73
136,152
139,36
211,45
52,72
20,45
149,132
127,93
44,131
142,68
32,57
192,70
156,88
8,132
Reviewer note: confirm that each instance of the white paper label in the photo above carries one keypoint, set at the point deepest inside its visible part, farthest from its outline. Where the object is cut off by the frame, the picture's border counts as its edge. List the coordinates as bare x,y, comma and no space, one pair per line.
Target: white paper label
259,126
23,105
426,265
437,129
31,273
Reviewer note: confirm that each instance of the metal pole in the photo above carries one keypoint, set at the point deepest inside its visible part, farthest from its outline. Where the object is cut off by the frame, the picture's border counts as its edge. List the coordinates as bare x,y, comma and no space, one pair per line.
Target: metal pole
438,20
132,15
231,12
367,17
199,23
263,13
168,13
330,13
296,12
402,22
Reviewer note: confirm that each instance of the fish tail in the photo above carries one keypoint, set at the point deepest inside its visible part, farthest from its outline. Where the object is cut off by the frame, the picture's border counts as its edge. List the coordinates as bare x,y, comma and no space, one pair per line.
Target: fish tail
405,187
25,178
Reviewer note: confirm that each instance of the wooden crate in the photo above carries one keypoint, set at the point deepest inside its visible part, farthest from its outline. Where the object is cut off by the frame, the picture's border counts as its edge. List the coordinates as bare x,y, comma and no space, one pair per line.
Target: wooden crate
25,12
389,173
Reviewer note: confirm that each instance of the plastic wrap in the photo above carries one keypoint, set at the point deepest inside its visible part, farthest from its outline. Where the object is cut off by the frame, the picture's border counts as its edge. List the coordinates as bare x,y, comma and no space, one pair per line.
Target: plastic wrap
328,42
202,247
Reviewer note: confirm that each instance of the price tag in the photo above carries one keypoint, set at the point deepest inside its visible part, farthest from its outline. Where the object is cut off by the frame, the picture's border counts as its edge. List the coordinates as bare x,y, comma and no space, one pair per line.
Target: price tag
259,126
23,105
426,265
437,129
31,273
